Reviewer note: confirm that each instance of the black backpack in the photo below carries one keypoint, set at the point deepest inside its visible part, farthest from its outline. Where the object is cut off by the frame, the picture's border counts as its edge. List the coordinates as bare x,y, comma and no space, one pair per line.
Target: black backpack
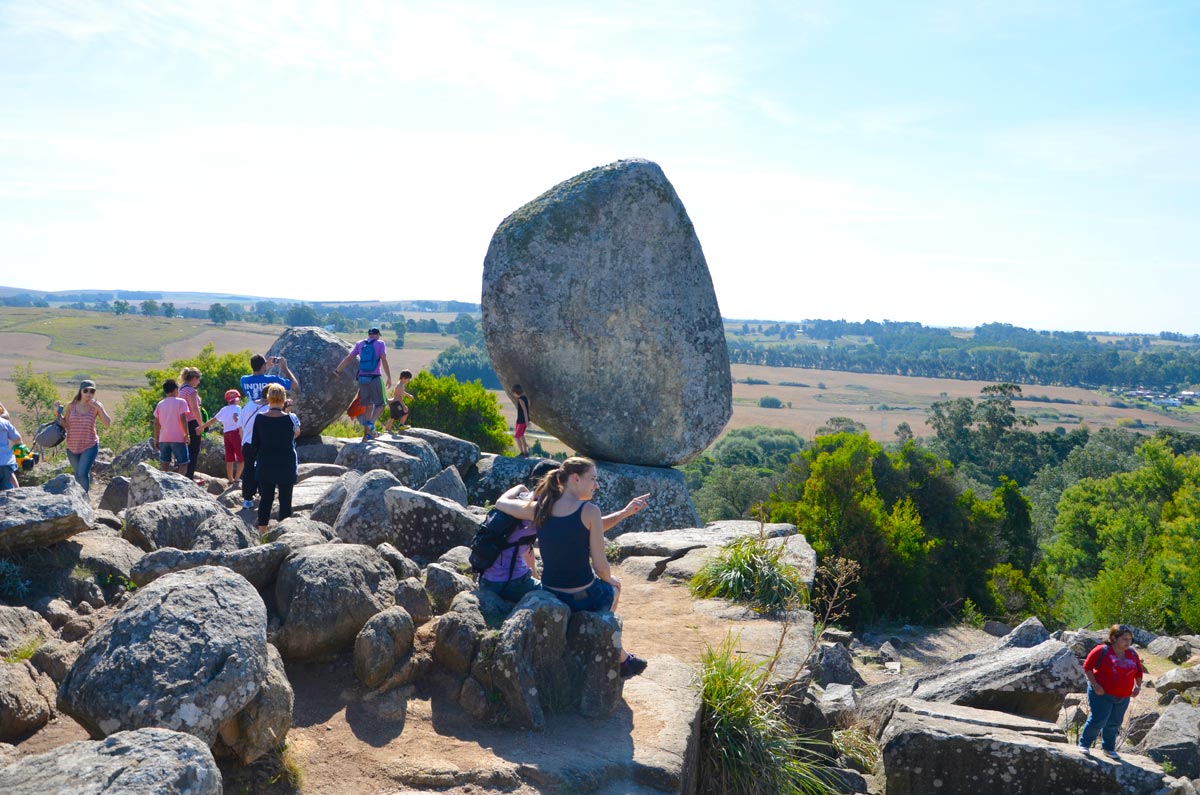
492,538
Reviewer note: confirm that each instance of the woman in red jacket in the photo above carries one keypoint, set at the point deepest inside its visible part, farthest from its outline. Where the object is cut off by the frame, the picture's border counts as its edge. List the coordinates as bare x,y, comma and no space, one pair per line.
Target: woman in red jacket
1114,674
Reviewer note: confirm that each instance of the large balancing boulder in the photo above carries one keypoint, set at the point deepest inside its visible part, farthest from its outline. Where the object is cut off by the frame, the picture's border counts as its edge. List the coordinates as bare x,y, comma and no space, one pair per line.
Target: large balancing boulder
32,518
188,652
311,355
599,287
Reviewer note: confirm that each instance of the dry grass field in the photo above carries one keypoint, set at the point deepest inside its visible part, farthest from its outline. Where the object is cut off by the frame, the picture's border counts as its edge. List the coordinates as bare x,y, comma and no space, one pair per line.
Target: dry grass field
74,345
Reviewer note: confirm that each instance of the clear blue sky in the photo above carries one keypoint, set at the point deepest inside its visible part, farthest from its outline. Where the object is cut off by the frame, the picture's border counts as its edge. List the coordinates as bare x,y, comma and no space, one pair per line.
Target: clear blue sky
952,162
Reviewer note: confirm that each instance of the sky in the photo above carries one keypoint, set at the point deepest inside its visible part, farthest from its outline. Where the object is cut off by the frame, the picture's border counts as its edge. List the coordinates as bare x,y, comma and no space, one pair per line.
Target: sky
953,162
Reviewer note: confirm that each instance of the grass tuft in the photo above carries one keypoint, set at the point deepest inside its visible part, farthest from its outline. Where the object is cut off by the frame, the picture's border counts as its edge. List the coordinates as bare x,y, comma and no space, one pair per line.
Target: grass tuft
857,744
747,746
752,572
25,650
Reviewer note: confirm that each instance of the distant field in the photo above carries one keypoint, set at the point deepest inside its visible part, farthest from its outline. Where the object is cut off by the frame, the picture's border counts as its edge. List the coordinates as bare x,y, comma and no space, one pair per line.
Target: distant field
75,345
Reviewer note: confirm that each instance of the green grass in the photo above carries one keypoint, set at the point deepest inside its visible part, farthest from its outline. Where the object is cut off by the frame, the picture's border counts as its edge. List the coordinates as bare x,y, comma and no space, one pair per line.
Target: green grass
857,744
129,338
25,650
752,572
746,744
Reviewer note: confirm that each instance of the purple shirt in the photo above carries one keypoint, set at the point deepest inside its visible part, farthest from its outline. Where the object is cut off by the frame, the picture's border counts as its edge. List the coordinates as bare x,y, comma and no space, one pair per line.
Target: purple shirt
380,350
498,571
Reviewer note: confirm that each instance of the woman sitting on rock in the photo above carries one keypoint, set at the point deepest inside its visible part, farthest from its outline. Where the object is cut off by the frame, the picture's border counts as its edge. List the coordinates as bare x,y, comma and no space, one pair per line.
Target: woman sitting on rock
275,461
1114,674
571,536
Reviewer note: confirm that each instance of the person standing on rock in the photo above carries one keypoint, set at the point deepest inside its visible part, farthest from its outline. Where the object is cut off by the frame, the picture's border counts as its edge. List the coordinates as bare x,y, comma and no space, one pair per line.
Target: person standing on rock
170,428
253,387
398,406
190,378
1114,673
227,418
275,435
522,403
79,418
9,436
571,536
372,355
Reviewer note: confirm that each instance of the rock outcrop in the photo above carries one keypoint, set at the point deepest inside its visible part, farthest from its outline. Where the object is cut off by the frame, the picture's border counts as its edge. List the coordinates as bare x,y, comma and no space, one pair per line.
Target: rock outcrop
447,483
1175,738
423,525
451,451
36,517
599,287
26,700
363,517
169,523
312,353
149,484
412,466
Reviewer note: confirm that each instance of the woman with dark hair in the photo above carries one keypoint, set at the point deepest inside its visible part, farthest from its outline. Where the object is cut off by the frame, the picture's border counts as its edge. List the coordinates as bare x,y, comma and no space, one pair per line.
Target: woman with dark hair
275,461
79,418
1114,673
570,533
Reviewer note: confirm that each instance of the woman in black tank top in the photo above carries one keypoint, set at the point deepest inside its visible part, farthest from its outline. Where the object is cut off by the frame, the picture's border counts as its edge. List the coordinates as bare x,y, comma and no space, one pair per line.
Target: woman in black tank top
571,537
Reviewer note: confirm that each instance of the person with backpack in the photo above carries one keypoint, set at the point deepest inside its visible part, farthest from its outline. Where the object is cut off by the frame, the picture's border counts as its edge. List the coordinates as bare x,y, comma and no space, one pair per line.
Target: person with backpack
372,355
78,419
1114,673
9,437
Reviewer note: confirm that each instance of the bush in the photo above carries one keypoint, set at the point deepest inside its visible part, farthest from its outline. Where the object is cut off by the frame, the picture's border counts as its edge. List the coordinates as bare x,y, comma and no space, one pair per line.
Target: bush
768,402
465,410
746,743
752,572
466,364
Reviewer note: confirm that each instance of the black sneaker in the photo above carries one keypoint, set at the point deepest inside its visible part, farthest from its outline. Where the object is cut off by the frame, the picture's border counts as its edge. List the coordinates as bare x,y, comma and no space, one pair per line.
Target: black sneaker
632,666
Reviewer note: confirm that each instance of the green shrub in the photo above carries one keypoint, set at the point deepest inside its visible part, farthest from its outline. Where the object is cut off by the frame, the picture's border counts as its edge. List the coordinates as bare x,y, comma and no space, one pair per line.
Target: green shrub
752,572
746,744
971,615
14,585
768,402
465,410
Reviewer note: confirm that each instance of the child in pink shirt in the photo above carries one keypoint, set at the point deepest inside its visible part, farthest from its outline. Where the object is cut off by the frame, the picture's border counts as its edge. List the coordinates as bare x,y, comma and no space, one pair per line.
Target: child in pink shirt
170,428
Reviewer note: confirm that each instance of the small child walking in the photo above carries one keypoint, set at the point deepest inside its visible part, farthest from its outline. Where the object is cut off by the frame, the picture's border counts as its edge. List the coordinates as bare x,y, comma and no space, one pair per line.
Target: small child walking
398,405
522,403
227,418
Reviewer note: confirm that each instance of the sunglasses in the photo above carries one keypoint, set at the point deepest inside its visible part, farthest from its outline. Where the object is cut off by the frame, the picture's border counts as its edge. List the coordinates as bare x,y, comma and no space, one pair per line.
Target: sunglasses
89,391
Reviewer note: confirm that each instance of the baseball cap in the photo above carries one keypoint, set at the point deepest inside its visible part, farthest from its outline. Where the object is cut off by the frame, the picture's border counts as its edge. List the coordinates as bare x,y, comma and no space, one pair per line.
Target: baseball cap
232,395
373,330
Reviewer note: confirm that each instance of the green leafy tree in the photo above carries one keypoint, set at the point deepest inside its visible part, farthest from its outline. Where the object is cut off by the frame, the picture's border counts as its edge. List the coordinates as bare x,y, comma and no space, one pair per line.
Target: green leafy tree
167,309
120,307
36,393
399,328
302,315
732,492
466,364
466,410
149,307
219,314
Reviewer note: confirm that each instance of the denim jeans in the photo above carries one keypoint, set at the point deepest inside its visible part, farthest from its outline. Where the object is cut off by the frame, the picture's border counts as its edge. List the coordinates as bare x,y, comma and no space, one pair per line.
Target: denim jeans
82,464
1105,715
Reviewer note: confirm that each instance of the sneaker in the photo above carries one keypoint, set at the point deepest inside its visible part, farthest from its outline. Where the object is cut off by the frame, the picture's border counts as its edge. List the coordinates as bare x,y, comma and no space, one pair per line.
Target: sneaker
1112,754
632,666
1085,750
246,504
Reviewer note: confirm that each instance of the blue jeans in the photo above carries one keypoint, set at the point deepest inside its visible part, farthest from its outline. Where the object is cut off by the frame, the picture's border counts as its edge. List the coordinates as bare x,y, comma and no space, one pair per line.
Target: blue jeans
82,464
1105,715
511,590
597,597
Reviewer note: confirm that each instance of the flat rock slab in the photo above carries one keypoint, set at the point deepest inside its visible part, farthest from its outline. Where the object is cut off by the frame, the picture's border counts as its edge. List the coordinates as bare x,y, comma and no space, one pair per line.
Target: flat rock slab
984,718
306,493
32,518
672,543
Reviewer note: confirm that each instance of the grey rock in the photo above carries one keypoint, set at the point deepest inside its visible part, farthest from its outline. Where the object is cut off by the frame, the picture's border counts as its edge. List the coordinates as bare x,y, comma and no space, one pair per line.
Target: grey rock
385,640
329,505
403,566
832,663
127,763
319,449
1083,641
458,634
1191,640
169,523
492,475
443,585
983,718
149,484
425,526
224,532
80,627
1175,738
19,626
9,753
838,705
1073,714
1143,637
263,725
116,495
126,462
412,596
456,559
1137,727
306,471
364,517
211,461
300,524
408,469
1180,679
36,517
674,543
888,653
451,451
320,397
307,493
26,697
593,648
923,755
645,325
325,594
1030,682
107,522
216,486
55,657
669,507
104,555
448,484
188,652
1173,649
258,565
835,635
1026,635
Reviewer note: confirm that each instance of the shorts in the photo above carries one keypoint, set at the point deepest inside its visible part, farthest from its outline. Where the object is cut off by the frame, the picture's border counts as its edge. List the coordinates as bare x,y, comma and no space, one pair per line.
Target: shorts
370,390
397,409
233,446
519,431
177,449
512,590
6,479
597,597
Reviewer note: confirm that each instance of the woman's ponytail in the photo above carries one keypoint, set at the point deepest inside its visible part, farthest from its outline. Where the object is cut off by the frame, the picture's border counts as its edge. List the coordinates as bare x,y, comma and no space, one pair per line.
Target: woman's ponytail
551,487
